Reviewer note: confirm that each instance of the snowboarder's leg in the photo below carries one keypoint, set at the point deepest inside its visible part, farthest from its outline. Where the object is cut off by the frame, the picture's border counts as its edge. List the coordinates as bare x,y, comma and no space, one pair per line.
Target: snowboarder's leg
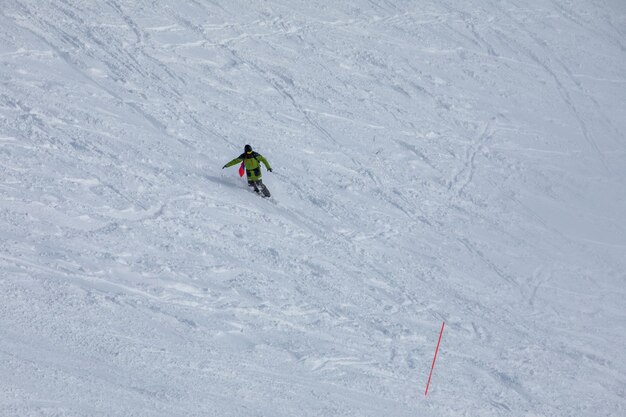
254,186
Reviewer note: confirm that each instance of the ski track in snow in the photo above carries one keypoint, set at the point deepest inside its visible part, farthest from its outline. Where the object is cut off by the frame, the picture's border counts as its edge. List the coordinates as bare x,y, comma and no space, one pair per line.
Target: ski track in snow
441,161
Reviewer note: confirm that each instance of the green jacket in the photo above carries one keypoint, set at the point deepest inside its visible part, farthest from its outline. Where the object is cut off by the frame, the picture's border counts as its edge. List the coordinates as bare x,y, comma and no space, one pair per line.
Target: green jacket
252,163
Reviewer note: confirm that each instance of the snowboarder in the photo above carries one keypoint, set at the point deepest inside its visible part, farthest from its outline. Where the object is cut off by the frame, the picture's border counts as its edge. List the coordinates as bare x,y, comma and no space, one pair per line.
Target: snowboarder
251,161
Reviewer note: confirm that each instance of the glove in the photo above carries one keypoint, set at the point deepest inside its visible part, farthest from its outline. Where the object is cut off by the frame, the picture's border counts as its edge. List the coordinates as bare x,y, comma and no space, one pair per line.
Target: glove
269,169
224,167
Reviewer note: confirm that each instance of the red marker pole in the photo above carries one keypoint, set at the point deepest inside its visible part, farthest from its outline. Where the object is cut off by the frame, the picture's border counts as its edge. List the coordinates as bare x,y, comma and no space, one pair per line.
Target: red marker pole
434,359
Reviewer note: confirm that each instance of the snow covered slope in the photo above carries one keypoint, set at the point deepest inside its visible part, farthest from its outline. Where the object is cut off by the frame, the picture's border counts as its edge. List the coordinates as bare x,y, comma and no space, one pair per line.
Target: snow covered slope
433,161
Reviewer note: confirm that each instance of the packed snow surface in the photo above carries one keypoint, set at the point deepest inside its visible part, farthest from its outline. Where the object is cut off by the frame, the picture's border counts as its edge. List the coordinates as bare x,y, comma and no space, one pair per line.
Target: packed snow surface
434,161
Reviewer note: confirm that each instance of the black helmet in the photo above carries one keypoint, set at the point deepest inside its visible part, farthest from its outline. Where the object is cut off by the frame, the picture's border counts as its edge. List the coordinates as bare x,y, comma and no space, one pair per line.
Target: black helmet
247,149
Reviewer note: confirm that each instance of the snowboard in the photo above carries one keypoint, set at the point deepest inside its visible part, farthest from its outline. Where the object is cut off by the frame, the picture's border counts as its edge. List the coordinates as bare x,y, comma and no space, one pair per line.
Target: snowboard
262,190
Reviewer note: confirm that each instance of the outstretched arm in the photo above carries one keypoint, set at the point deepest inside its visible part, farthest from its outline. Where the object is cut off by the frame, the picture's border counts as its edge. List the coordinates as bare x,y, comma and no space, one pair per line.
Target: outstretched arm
233,162
267,164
